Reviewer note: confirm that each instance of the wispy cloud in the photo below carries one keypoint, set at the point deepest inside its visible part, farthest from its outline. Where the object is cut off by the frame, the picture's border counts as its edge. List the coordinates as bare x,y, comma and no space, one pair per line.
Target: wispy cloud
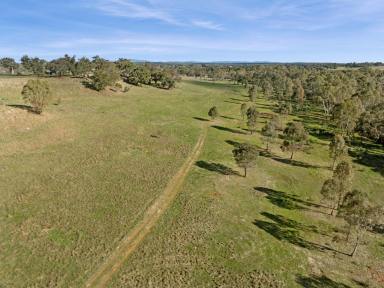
130,9
290,30
309,15
207,25
151,10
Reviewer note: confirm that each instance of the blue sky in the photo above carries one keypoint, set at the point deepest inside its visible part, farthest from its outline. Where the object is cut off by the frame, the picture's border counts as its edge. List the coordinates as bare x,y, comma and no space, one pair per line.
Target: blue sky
200,30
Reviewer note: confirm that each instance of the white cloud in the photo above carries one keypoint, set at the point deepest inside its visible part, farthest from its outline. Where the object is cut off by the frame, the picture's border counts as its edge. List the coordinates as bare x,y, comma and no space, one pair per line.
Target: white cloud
130,9
151,10
207,25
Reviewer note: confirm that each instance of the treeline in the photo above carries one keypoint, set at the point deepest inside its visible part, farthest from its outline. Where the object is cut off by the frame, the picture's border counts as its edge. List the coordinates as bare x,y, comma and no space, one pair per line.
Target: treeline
100,72
351,100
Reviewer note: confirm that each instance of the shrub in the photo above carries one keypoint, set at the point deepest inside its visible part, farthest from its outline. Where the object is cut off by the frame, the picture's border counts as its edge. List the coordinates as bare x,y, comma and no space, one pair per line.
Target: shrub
213,112
105,75
37,93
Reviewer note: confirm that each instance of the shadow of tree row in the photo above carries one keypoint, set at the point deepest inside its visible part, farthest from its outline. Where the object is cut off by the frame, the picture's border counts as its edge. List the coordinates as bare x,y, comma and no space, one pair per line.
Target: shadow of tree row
323,281
288,230
216,167
235,131
286,201
373,160
289,162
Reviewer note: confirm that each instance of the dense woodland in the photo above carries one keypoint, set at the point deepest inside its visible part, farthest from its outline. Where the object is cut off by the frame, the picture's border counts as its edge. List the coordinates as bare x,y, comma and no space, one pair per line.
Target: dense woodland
351,100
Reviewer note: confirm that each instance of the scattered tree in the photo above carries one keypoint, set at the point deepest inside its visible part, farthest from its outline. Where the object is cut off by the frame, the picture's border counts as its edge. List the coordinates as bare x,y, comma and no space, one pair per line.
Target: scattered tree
300,94
213,113
83,67
359,214
277,122
334,189
245,156
371,123
337,149
9,63
269,133
252,93
34,65
285,108
65,66
105,75
252,119
295,137
243,110
37,93
346,115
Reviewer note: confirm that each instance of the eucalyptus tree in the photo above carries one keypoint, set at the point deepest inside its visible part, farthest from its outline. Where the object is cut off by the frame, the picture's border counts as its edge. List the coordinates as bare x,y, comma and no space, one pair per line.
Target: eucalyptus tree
252,119
295,138
246,156
269,133
213,113
360,214
335,188
337,148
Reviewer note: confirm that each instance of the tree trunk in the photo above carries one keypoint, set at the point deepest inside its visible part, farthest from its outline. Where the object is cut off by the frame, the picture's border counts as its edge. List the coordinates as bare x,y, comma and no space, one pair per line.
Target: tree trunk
349,232
333,210
356,245
334,163
245,171
267,146
338,202
291,155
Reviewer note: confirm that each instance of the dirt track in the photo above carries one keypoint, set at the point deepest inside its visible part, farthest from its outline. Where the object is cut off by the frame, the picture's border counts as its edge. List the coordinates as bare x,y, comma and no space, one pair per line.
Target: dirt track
128,245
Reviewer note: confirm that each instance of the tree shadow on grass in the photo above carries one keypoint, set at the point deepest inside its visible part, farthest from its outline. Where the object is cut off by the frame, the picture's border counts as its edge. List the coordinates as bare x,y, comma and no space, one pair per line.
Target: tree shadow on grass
289,223
239,100
379,229
312,120
88,84
233,143
232,102
266,106
372,160
289,161
289,235
227,117
216,167
237,144
22,107
290,202
323,281
213,84
201,119
320,133
265,115
365,143
288,230
229,129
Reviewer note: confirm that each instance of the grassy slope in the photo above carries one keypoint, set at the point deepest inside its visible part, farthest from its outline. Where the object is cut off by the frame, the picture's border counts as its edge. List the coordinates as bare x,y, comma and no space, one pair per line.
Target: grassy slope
222,232
77,178
67,197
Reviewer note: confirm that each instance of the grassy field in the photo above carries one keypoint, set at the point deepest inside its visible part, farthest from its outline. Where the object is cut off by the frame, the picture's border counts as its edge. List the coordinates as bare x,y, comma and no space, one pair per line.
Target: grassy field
75,180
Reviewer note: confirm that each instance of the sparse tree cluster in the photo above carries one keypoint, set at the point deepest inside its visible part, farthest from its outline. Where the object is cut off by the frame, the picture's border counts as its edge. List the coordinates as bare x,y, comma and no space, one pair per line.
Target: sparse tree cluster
130,72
